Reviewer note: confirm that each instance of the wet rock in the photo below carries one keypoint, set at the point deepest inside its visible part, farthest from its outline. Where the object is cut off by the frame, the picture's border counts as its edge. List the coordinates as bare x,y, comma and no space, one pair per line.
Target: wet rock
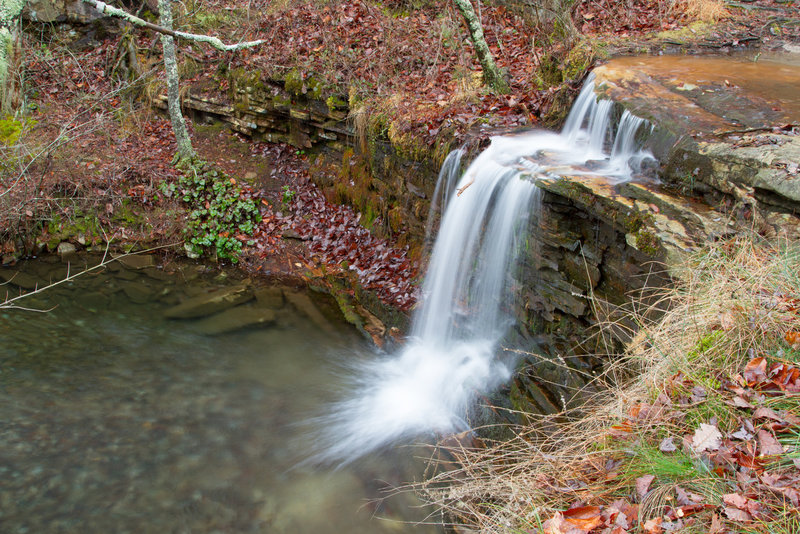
66,250
209,303
303,304
137,292
21,279
730,135
137,261
235,319
269,297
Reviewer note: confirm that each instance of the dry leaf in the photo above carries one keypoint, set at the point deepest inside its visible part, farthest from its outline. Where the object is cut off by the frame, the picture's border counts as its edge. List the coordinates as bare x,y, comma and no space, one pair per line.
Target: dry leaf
742,434
653,526
768,445
687,498
755,371
793,338
706,438
737,515
762,412
643,484
741,403
558,525
734,499
716,525
584,517
667,445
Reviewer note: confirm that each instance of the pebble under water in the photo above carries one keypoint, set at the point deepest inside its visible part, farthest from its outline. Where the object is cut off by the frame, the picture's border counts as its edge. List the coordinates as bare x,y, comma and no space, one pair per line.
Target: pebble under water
116,419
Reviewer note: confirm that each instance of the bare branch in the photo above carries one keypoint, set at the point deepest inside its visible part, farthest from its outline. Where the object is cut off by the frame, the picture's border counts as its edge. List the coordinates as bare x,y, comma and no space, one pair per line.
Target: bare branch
215,42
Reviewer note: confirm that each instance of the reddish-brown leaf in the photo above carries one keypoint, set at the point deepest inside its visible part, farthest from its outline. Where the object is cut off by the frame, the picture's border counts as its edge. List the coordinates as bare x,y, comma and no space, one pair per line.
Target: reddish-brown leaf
768,445
653,526
755,371
585,517
736,514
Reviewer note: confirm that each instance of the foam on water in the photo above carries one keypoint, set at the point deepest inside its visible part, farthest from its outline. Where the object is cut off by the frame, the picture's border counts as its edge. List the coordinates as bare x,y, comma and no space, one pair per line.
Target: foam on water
465,308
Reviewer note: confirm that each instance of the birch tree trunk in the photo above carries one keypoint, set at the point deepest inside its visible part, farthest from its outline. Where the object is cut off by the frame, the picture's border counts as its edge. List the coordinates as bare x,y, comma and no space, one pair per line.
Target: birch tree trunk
185,151
491,74
10,59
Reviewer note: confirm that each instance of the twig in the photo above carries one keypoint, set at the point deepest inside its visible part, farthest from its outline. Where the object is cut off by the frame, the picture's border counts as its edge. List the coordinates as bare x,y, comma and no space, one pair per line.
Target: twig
753,130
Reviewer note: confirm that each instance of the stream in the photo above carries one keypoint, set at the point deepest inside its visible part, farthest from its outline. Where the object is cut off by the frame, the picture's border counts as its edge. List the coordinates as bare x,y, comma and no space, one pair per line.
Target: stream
118,419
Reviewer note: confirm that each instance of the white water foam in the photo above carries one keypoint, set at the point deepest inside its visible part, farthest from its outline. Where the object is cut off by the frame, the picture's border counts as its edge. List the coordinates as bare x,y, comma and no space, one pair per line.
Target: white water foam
450,357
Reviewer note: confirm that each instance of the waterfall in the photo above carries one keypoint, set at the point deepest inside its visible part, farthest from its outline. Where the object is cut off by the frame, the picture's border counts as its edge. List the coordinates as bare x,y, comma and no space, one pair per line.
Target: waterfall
450,358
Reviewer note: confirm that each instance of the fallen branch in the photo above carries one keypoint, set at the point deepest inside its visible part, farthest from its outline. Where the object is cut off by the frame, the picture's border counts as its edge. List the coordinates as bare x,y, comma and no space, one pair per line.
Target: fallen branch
102,7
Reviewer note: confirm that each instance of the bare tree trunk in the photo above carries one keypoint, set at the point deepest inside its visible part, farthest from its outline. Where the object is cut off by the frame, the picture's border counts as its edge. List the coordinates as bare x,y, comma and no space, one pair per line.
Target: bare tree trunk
185,150
10,59
491,74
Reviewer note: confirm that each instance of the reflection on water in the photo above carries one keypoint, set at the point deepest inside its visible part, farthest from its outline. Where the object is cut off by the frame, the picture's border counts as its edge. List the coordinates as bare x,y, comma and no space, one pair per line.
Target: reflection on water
115,419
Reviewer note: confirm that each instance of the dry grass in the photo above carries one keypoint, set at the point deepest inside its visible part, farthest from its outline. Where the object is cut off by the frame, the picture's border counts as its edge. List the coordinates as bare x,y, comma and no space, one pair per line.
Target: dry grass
734,301
703,10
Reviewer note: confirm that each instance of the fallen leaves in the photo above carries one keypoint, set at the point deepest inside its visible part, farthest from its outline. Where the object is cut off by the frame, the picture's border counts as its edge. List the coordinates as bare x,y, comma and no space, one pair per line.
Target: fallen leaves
706,438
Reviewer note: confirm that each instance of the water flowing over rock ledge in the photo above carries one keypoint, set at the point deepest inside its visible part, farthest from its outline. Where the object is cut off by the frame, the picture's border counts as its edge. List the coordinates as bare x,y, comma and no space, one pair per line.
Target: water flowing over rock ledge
726,163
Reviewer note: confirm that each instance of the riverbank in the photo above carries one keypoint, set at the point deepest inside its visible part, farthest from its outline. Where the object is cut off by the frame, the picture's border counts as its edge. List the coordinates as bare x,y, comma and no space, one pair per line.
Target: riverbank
695,429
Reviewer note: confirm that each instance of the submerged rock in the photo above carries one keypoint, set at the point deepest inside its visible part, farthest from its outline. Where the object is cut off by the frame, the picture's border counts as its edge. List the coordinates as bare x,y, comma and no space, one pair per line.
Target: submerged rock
209,303
137,261
235,319
304,305
137,292
269,297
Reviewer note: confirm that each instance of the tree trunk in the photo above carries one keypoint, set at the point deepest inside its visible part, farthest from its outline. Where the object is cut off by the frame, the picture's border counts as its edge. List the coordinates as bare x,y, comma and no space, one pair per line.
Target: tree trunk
185,151
10,56
491,74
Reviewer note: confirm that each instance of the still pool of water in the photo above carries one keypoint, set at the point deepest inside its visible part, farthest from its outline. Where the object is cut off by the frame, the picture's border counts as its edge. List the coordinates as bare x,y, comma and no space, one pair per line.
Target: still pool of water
116,419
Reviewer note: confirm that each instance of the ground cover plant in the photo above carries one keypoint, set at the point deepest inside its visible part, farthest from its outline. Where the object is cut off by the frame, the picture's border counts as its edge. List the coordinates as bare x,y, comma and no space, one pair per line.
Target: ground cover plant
698,434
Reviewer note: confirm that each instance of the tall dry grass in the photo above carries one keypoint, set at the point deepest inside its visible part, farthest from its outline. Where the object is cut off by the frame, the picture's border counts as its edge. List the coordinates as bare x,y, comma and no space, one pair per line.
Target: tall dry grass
732,302
702,10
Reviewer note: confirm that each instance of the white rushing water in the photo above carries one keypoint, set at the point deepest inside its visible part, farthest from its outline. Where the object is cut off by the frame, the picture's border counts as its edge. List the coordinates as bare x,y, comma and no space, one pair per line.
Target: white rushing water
450,358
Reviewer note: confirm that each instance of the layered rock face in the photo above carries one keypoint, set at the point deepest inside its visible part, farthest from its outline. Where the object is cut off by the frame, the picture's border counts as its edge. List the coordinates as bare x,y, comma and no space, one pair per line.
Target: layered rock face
726,133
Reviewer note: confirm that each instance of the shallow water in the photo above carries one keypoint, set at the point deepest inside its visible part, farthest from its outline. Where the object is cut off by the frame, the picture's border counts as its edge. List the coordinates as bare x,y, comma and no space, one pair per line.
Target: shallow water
115,419
770,77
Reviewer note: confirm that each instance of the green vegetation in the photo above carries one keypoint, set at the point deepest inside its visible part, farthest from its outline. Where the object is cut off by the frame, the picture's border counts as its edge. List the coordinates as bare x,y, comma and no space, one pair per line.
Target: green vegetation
222,216
10,130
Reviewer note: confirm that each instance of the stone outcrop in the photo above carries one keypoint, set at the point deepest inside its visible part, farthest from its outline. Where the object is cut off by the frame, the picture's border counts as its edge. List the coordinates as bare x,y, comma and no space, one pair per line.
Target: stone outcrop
729,154
725,128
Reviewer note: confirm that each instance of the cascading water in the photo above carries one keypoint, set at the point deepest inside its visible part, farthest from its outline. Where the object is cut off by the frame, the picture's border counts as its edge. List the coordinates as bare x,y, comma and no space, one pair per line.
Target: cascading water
450,358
